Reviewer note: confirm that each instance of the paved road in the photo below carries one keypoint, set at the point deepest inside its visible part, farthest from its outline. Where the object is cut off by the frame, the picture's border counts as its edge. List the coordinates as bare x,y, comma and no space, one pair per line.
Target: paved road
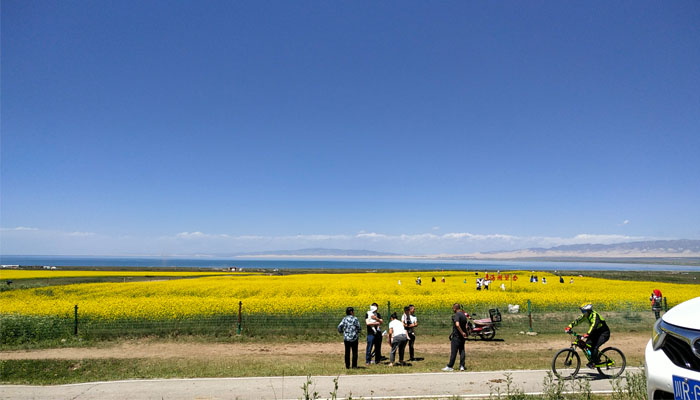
398,386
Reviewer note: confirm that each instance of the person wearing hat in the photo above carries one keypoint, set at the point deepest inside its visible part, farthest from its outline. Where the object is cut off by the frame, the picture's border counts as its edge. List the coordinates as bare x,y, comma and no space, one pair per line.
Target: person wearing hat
350,328
598,332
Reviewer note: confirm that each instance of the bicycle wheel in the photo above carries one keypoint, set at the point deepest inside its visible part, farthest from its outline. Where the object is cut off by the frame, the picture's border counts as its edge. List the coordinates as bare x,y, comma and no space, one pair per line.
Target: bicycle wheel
612,362
566,363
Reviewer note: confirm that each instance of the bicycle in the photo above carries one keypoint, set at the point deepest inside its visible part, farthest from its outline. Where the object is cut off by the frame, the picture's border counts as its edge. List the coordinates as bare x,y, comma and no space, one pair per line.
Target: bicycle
566,362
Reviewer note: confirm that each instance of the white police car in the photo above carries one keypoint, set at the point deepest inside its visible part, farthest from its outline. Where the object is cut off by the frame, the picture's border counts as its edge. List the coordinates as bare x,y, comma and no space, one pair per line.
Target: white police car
672,356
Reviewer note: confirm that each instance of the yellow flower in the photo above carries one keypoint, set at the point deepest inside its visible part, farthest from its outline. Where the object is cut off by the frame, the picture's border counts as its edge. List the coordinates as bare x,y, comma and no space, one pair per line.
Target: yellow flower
320,293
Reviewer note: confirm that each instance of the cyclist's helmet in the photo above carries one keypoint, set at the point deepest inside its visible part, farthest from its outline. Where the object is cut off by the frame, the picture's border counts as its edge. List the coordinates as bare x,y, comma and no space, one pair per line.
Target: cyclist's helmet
586,307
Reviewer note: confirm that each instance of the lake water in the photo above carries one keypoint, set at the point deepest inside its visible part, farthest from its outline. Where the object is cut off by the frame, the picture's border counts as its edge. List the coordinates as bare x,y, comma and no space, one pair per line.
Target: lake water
354,264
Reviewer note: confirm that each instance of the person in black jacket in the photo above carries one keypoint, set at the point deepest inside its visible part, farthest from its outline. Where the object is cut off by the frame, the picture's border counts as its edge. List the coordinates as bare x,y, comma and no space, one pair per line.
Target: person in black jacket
374,335
457,338
598,332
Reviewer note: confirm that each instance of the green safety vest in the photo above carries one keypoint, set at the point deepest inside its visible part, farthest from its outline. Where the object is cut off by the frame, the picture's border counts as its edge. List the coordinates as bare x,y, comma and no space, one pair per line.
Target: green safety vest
594,319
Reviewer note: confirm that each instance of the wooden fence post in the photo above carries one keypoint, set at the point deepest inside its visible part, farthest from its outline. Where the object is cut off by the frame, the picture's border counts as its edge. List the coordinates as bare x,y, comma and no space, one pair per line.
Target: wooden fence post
75,326
240,308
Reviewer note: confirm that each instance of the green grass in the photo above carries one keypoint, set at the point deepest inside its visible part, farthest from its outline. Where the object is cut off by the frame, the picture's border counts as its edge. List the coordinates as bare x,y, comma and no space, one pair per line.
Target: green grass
44,372
33,283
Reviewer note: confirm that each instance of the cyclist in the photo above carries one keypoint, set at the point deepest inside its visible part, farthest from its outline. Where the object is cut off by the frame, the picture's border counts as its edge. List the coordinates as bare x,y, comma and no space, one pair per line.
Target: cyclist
597,334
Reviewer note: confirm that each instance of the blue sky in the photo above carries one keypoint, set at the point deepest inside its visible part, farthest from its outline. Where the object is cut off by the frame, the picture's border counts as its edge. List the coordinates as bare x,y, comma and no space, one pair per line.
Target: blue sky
415,127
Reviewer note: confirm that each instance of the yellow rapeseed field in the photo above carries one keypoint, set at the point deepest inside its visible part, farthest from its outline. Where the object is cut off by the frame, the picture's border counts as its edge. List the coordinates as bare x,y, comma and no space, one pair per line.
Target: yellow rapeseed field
320,293
10,274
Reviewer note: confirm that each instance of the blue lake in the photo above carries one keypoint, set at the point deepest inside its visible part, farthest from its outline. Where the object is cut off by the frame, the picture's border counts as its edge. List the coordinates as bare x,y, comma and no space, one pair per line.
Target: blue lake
331,264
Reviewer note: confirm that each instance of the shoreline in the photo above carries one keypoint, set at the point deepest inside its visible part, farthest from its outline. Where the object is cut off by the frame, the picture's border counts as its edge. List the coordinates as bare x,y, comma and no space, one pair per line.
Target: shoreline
637,257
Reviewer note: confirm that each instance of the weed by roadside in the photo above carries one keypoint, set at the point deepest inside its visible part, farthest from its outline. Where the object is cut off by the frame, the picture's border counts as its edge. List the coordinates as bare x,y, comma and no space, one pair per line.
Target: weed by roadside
633,386
308,395
552,389
306,387
512,392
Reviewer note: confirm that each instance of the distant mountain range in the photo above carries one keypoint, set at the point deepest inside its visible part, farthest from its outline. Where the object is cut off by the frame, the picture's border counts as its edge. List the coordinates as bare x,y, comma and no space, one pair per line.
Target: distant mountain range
319,252
666,246
646,249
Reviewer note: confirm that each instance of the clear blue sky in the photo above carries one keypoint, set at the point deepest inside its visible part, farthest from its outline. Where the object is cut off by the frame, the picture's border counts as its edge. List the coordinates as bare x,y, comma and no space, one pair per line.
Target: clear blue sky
185,127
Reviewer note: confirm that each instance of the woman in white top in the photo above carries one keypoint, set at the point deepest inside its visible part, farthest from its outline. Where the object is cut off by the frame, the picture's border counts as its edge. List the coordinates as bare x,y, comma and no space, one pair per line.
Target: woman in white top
397,339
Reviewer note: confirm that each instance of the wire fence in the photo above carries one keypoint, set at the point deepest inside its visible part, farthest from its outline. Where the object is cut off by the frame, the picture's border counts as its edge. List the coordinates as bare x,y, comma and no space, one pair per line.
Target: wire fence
22,329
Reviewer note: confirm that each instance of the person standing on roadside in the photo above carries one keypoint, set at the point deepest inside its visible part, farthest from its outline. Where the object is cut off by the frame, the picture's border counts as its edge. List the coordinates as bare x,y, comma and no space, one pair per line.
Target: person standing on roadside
374,334
350,328
410,322
397,339
457,338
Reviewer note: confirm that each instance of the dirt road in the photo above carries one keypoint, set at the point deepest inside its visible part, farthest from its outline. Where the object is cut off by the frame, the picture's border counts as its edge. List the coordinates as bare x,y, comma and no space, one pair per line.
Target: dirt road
195,350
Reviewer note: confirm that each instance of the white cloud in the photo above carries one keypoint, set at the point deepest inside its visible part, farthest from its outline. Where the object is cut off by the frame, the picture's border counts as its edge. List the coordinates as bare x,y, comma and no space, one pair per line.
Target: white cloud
250,237
19,228
189,235
200,235
23,240
416,237
37,231
592,238
470,236
414,243
81,234
317,237
587,238
371,235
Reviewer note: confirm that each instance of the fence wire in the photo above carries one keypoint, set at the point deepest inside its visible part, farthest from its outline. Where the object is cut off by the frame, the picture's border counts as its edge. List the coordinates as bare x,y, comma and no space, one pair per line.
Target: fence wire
16,329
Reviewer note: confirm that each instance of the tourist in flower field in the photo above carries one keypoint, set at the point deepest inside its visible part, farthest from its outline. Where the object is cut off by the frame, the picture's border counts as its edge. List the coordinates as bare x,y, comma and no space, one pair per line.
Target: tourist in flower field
410,322
656,299
597,334
457,338
374,334
397,339
350,328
